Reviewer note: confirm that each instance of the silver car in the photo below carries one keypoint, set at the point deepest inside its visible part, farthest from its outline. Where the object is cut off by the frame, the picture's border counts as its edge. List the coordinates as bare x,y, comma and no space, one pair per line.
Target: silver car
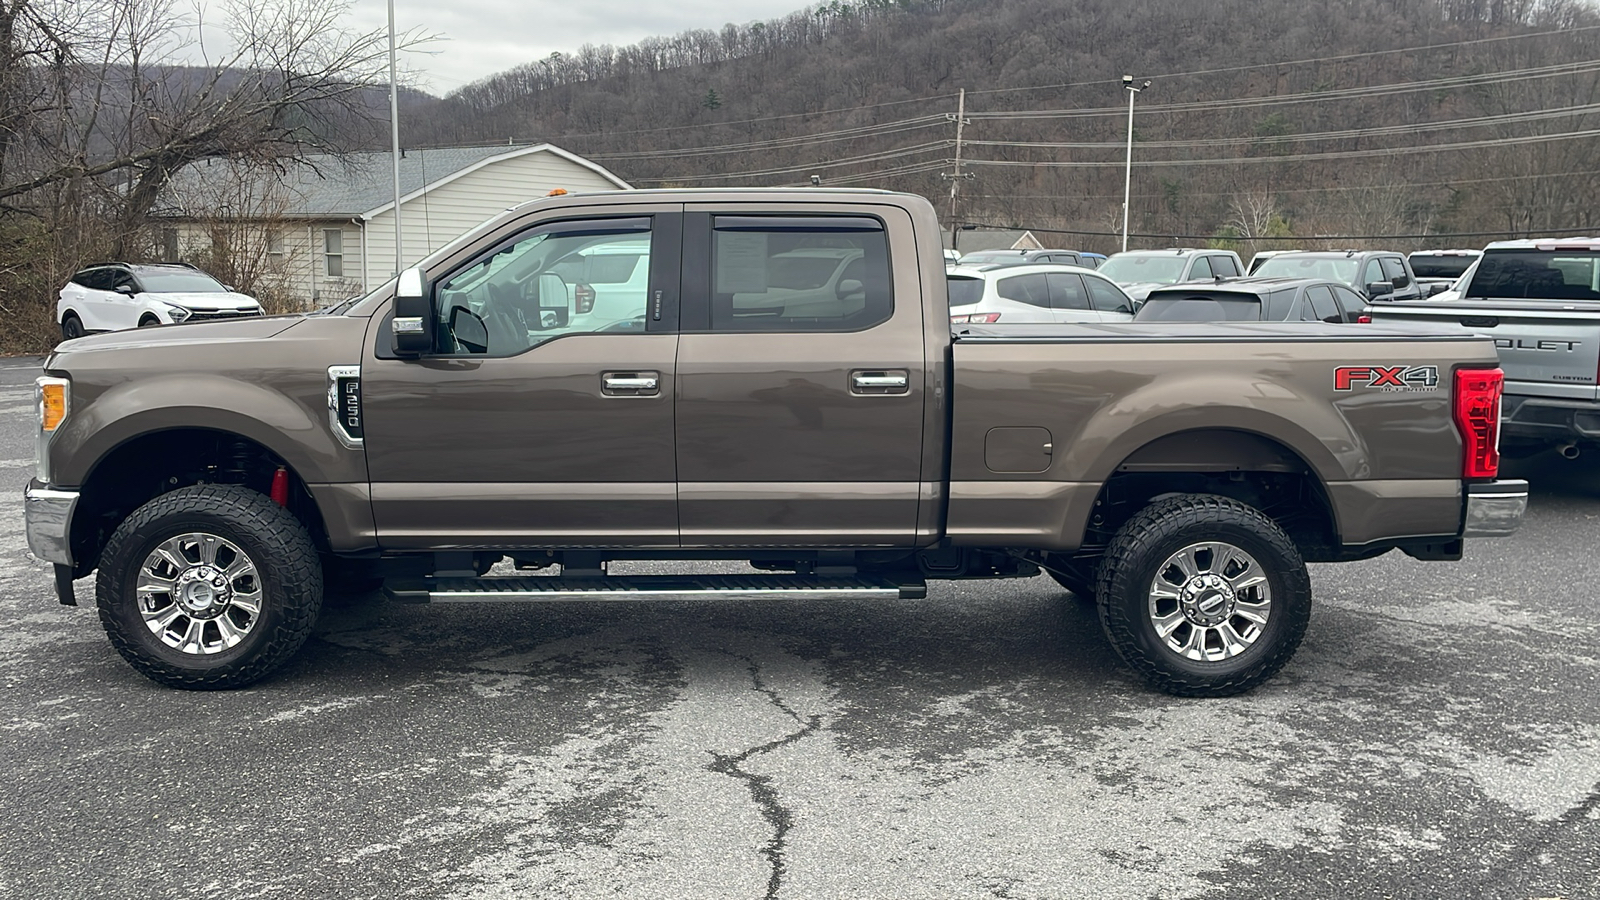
1049,292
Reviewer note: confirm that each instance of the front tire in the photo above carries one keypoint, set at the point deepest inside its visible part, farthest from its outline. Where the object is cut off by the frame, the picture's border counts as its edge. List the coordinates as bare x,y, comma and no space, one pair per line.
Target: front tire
71,327
209,587
148,321
1204,596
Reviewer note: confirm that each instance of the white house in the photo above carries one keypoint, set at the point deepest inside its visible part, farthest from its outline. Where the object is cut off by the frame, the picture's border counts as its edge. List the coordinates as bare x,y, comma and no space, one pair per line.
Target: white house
323,228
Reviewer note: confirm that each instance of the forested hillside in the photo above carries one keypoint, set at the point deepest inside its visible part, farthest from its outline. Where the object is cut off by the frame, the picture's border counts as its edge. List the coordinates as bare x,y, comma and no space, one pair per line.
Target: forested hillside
1280,118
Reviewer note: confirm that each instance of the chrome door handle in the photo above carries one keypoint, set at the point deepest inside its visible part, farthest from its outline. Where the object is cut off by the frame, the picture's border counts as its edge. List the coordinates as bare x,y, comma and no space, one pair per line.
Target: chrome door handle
880,382
631,384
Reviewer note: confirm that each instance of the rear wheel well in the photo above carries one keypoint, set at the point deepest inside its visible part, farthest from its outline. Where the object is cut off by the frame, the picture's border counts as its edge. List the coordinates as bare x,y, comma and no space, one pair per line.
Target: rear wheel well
141,469
1246,467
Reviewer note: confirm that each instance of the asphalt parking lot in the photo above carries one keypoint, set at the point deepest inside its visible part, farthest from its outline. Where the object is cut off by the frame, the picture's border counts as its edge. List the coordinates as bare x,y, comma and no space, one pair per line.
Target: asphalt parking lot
1438,735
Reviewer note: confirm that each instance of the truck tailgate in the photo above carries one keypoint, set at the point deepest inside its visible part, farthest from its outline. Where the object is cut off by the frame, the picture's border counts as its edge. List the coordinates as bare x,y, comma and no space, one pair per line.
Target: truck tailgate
1547,348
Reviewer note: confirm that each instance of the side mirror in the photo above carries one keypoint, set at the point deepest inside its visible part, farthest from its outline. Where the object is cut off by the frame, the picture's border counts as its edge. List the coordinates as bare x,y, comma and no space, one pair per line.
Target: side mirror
1379,289
555,303
848,286
126,289
1437,288
412,325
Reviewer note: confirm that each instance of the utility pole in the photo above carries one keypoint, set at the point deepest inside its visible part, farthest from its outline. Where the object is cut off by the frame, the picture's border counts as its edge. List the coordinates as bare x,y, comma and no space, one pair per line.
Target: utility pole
1127,172
960,118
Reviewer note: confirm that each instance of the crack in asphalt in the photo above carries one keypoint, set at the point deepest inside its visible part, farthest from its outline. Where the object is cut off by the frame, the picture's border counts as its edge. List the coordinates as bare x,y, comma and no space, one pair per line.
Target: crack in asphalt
761,789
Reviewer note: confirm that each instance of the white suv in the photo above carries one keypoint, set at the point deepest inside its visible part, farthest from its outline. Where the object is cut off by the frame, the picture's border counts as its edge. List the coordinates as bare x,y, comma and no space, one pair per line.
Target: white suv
1046,292
115,296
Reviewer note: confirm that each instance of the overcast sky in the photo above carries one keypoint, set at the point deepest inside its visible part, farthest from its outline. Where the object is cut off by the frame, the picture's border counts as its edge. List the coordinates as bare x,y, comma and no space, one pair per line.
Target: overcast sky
482,37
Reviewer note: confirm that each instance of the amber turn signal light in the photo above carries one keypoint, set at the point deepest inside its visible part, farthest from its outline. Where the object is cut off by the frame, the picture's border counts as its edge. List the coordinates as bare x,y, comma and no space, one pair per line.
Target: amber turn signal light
52,405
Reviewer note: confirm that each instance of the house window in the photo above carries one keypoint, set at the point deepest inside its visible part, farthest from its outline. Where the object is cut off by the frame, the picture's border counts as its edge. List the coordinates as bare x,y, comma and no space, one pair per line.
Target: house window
333,251
274,252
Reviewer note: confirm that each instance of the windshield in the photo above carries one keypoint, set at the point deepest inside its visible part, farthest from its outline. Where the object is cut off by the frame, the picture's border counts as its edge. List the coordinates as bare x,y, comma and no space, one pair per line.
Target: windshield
1341,269
1538,275
179,281
1136,269
1201,308
965,291
1451,267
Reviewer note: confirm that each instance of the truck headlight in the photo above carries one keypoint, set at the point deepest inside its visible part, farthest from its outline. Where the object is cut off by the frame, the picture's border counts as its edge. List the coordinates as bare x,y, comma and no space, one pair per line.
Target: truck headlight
55,402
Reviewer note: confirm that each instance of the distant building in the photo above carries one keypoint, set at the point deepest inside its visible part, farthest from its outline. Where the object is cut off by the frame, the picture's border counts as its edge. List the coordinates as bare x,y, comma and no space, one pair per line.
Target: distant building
971,240
322,228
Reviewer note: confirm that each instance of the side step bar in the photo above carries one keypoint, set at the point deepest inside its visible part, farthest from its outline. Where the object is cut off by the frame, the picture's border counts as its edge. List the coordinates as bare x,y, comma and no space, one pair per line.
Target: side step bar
646,587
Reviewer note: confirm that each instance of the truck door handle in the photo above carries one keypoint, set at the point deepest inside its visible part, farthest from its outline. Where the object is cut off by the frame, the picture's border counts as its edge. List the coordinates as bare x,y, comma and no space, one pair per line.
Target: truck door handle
630,384
880,382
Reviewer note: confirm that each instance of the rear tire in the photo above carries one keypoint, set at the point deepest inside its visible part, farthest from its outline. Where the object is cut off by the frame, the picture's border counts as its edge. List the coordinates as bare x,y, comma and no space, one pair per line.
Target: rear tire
1204,596
209,587
71,327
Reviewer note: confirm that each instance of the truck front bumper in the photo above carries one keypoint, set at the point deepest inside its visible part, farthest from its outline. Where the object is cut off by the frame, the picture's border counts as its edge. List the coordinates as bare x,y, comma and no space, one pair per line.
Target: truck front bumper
1495,508
47,517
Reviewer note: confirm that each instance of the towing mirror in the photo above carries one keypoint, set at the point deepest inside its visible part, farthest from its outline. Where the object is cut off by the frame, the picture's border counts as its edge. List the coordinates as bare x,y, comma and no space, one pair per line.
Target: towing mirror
413,315
1379,289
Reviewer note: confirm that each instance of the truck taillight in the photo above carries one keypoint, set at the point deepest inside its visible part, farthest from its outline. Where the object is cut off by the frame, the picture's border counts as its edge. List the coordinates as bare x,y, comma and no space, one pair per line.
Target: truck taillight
583,298
1478,418
975,319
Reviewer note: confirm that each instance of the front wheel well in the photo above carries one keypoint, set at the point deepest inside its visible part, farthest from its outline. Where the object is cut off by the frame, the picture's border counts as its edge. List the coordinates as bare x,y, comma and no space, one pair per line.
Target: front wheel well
145,467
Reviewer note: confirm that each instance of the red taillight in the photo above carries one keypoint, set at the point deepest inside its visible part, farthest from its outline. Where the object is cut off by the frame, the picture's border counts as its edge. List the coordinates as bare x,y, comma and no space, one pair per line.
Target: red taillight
1478,419
975,319
1363,320
583,298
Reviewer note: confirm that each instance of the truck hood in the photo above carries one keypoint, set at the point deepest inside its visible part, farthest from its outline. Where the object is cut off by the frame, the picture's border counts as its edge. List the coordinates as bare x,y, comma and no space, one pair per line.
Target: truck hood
1140,290
167,336
203,301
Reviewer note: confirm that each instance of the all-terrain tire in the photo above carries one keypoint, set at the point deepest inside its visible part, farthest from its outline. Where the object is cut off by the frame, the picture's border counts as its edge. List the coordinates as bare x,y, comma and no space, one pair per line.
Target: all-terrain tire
284,558
1133,562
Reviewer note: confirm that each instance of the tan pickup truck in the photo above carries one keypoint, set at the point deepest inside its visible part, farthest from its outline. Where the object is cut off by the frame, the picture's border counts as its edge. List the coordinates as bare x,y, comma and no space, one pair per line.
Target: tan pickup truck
759,376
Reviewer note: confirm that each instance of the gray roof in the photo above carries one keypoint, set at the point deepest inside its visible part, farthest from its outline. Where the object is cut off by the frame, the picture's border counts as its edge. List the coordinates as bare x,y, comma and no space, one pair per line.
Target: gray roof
327,185
973,240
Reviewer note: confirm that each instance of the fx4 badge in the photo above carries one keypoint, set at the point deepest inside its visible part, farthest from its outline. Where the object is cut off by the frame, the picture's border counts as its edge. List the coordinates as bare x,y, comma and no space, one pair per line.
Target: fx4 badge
1386,378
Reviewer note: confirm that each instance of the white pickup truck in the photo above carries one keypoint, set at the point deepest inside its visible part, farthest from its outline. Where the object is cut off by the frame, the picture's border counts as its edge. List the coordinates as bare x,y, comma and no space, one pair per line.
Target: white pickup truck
1539,300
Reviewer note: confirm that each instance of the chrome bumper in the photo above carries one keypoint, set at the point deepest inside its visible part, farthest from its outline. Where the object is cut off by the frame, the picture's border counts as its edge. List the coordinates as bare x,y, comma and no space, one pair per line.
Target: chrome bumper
1495,508
47,517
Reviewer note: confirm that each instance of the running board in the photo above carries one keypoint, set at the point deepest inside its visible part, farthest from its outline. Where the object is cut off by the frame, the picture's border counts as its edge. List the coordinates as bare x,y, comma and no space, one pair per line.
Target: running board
645,587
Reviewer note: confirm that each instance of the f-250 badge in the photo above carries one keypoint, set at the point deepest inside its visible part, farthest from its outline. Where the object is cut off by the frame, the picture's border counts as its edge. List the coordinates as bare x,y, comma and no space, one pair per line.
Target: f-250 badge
1386,378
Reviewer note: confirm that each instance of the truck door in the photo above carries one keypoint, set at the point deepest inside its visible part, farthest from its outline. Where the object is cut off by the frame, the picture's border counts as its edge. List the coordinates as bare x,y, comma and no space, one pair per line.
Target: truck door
545,417
800,401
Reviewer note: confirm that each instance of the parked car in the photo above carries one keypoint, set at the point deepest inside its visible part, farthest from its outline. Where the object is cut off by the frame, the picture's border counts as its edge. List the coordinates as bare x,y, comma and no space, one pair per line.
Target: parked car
1539,300
1375,274
218,479
1037,293
1023,258
1255,299
1453,292
1139,272
114,296
1093,260
1261,257
1437,271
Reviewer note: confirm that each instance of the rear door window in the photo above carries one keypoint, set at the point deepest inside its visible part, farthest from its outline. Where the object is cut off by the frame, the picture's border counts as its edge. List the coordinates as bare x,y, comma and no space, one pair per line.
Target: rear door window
1066,292
803,273
1030,289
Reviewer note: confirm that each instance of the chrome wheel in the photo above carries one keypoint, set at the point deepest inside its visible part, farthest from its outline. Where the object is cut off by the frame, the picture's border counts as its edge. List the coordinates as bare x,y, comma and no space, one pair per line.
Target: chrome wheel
198,593
1210,601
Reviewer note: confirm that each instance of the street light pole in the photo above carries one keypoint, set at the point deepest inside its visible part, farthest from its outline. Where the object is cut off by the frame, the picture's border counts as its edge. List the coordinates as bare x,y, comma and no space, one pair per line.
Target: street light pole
1127,174
394,142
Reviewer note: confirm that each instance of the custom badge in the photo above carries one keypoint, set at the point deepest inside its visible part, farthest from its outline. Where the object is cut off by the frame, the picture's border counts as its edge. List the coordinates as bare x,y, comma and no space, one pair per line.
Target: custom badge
1386,378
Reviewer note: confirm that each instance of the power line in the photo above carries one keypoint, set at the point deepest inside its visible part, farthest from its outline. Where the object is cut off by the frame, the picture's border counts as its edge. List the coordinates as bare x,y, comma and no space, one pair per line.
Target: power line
777,143
1302,62
789,170
1294,190
1554,232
